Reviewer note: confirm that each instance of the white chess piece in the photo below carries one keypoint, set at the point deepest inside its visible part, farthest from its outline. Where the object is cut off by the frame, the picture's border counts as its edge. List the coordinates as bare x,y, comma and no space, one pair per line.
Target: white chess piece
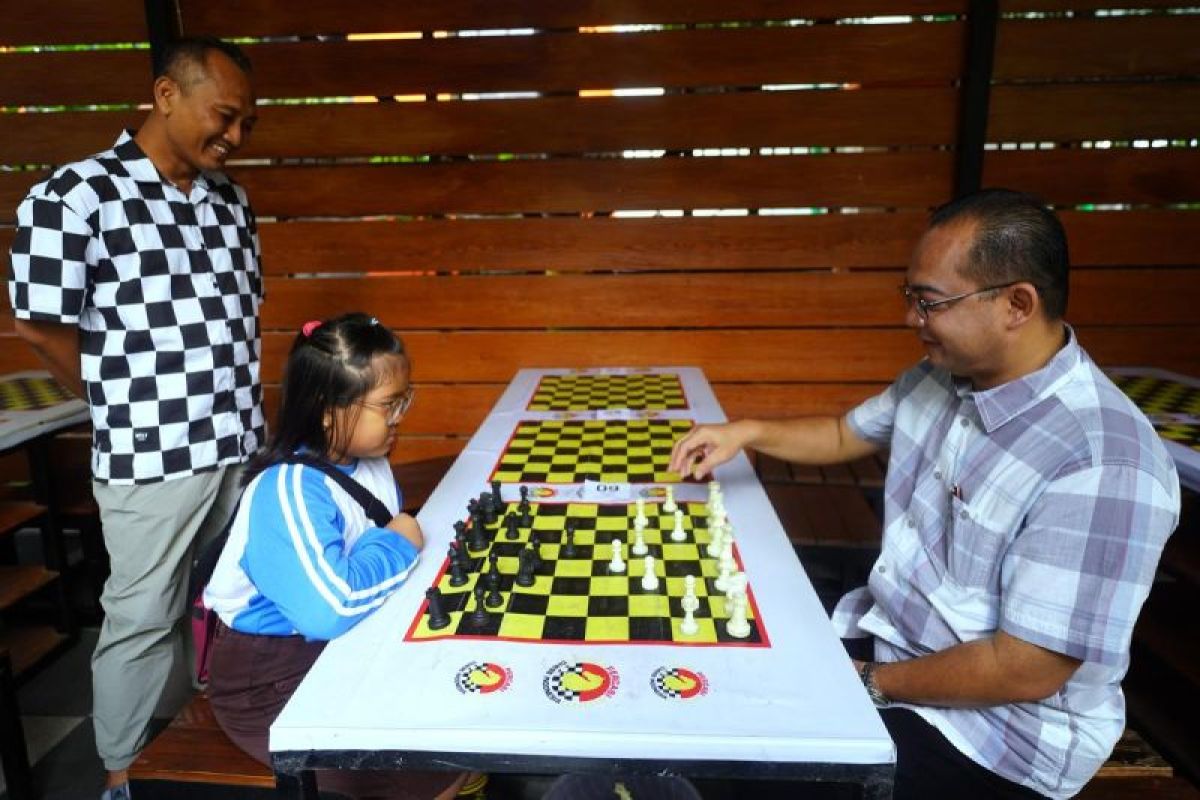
716,535
617,564
678,534
669,504
722,579
689,603
650,578
738,584
737,625
639,518
715,499
639,540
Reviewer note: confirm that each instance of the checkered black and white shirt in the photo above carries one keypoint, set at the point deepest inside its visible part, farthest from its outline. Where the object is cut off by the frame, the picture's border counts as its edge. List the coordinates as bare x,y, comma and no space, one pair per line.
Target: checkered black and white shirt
1040,508
165,289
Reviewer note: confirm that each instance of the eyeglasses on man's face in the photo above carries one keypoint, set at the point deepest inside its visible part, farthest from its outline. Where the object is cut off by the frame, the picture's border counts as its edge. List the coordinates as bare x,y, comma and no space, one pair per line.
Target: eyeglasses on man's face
393,411
924,306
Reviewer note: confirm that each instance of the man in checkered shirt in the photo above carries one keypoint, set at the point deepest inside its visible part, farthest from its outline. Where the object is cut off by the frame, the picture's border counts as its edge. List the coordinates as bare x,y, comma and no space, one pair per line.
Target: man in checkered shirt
136,278
1026,504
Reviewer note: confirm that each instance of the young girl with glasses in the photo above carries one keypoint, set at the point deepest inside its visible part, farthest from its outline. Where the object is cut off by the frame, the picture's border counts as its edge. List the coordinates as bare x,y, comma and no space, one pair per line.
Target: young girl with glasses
303,562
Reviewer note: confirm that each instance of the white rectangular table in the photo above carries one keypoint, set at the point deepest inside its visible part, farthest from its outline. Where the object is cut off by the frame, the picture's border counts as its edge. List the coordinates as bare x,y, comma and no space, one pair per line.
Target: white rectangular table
793,709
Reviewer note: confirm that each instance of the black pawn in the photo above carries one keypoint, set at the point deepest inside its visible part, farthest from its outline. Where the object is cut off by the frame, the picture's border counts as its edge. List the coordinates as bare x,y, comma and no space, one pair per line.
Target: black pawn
525,568
526,517
458,575
480,616
496,496
568,548
487,508
473,507
511,526
478,539
493,597
460,532
524,490
438,618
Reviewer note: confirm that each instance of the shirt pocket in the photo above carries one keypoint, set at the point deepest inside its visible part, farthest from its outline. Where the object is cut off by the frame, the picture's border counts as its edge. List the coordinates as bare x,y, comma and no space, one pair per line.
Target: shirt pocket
975,549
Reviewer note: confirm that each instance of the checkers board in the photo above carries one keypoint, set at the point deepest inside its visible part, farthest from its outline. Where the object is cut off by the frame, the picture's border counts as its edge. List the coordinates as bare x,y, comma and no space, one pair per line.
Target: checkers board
641,391
577,599
31,394
1173,407
575,451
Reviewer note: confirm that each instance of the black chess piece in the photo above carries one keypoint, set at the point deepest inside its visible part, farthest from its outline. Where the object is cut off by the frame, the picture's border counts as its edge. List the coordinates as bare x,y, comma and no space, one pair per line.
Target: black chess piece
526,516
535,547
438,618
568,548
460,532
473,507
478,538
480,616
493,598
525,568
458,575
487,508
524,490
512,526
496,498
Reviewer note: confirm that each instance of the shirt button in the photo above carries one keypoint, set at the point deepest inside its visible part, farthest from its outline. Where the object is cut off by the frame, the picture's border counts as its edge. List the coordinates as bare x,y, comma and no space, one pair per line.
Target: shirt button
882,569
963,514
937,473
909,522
964,422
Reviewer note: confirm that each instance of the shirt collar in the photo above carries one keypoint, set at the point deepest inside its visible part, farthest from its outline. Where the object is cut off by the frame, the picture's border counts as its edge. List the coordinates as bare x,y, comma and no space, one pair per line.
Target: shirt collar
998,405
141,168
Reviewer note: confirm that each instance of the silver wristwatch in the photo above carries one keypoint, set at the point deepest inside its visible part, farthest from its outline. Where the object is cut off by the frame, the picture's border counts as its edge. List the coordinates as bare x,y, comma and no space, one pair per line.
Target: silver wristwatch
866,673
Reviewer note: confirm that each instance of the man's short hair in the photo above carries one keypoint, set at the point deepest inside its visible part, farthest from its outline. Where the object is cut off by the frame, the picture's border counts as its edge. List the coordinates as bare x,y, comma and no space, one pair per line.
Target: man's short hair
183,59
1017,239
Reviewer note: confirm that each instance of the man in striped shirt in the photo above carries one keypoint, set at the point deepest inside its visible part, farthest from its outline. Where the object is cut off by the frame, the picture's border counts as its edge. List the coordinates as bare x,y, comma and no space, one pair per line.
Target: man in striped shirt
1027,503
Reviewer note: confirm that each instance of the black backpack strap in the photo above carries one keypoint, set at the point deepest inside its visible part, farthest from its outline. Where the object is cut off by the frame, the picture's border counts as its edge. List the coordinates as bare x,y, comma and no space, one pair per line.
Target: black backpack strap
203,566
371,504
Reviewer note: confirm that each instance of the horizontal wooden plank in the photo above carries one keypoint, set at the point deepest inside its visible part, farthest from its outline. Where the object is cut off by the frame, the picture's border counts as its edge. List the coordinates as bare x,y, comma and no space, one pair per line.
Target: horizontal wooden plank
904,179
575,244
1007,6
308,17
1090,112
566,62
59,138
73,22
1088,47
721,300
556,125
1104,239
824,356
75,77
1069,177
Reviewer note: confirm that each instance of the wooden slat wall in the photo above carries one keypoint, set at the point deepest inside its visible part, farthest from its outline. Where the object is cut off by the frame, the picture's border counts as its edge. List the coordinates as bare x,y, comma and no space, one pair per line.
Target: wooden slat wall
1072,82
491,242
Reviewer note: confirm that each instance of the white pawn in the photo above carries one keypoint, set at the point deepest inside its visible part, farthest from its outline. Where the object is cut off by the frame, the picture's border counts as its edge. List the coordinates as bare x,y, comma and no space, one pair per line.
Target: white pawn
689,603
716,535
737,625
639,519
738,583
715,499
639,540
649,579
617,564
678,534
669,504
727,566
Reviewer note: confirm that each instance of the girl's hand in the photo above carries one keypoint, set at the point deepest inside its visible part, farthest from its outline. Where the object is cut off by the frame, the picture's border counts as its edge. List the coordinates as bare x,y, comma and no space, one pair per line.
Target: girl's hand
408,527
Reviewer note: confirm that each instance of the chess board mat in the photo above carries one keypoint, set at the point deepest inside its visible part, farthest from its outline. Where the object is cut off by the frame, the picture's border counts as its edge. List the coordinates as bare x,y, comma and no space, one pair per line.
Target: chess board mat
31,394
1167,403
648,391
577,600
574,451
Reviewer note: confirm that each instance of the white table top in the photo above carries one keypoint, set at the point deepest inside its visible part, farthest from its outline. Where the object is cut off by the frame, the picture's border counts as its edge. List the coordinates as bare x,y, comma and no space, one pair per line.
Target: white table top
19,425
796,700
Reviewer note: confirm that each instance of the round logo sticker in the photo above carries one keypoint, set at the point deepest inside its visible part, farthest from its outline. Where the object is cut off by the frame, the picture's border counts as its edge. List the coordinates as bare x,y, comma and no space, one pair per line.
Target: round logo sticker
482,677
678,683
579,682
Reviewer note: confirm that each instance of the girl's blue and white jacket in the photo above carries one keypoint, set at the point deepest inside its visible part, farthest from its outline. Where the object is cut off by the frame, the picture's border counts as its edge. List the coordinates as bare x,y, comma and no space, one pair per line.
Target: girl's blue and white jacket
303,557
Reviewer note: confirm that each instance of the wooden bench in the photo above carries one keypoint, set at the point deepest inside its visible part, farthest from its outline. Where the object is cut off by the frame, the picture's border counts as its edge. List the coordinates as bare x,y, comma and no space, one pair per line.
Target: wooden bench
194,750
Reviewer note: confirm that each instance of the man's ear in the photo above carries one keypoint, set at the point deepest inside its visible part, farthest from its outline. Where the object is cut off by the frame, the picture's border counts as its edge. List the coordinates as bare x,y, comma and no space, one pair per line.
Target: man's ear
166,94
1024,302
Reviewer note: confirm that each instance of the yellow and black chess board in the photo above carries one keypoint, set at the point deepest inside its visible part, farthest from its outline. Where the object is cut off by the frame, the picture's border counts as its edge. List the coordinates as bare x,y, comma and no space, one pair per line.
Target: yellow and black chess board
648,391
577,599
1168,404
31,394
574,451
